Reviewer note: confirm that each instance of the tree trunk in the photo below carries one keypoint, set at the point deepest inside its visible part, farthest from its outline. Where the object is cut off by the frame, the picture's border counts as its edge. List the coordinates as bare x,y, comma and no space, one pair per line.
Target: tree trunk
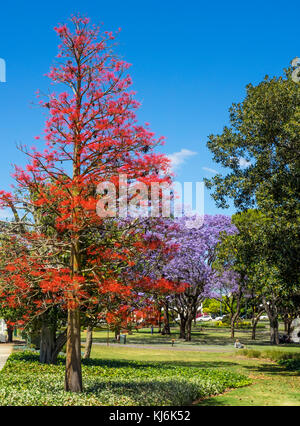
232,323
88,342
73,377
254,325
73,374
117,333
166,329
255,320
232,330
289,326
285,324
159,321
236,314
10,331
182,327
274,336
47,343
271,309
189,322
59,344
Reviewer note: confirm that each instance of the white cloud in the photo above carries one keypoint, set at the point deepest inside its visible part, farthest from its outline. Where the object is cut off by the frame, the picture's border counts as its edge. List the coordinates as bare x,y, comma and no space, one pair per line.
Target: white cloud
208,169
178,158
243,162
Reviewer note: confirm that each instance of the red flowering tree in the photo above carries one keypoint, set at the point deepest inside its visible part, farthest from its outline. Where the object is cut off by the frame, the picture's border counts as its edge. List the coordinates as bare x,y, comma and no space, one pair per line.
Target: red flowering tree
92,136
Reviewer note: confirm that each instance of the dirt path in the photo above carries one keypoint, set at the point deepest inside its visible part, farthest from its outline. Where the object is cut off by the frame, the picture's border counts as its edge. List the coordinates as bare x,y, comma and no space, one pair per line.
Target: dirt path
5,351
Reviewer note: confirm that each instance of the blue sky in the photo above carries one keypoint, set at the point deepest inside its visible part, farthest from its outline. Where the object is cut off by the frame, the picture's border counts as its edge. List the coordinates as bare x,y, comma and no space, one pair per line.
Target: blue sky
190,61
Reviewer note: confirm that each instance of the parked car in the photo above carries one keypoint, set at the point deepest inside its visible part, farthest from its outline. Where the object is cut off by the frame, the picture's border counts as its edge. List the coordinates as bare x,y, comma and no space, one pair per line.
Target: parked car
264,317
219,318
204,318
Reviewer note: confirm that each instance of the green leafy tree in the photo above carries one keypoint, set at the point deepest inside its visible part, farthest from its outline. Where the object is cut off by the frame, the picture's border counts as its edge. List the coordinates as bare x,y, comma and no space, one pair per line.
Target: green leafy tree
252,253
261,148
261,151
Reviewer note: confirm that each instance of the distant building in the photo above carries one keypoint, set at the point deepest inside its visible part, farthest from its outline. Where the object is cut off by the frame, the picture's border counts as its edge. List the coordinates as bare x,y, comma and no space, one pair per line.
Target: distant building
2,331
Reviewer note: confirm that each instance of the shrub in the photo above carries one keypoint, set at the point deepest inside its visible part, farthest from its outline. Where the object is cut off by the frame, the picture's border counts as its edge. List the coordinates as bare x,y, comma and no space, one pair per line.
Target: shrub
272,354
251,353
244,324
290,364
24,381
276,355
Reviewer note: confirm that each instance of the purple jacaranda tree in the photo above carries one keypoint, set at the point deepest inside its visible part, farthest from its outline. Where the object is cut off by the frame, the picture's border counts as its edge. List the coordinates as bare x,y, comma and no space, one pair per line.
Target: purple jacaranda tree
228,286
192,264
161,234
192,246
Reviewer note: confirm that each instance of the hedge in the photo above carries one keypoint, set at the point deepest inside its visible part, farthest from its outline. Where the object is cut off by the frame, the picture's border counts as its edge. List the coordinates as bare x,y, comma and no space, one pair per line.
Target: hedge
24,381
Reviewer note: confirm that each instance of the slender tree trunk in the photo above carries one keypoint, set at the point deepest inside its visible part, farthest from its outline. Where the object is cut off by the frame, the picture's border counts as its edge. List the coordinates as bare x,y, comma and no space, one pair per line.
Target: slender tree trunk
10,331
182,327
236,314
285,324
73,377
88,342
289,325
159,321
234,318
274,336
73,374
255,319
59,344
117,333
254,325
189,322
232,328
166,329
272,312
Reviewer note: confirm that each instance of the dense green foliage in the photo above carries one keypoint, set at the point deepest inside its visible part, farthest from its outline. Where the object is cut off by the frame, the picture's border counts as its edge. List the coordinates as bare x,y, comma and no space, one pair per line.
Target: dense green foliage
291,364
289,360
260,147
24,381
260,151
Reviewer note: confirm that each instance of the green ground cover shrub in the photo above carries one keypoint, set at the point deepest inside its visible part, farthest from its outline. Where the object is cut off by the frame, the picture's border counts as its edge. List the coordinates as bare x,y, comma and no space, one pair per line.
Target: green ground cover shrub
23,381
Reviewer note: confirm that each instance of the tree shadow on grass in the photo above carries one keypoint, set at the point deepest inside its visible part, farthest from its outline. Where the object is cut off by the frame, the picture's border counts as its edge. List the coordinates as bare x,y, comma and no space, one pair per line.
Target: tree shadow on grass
210,402
121,363
272,369
197,340
200,336
33,357
145,392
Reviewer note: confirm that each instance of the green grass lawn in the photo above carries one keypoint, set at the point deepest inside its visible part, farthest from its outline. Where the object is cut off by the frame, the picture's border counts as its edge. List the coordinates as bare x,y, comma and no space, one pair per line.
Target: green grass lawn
271,383
202,337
